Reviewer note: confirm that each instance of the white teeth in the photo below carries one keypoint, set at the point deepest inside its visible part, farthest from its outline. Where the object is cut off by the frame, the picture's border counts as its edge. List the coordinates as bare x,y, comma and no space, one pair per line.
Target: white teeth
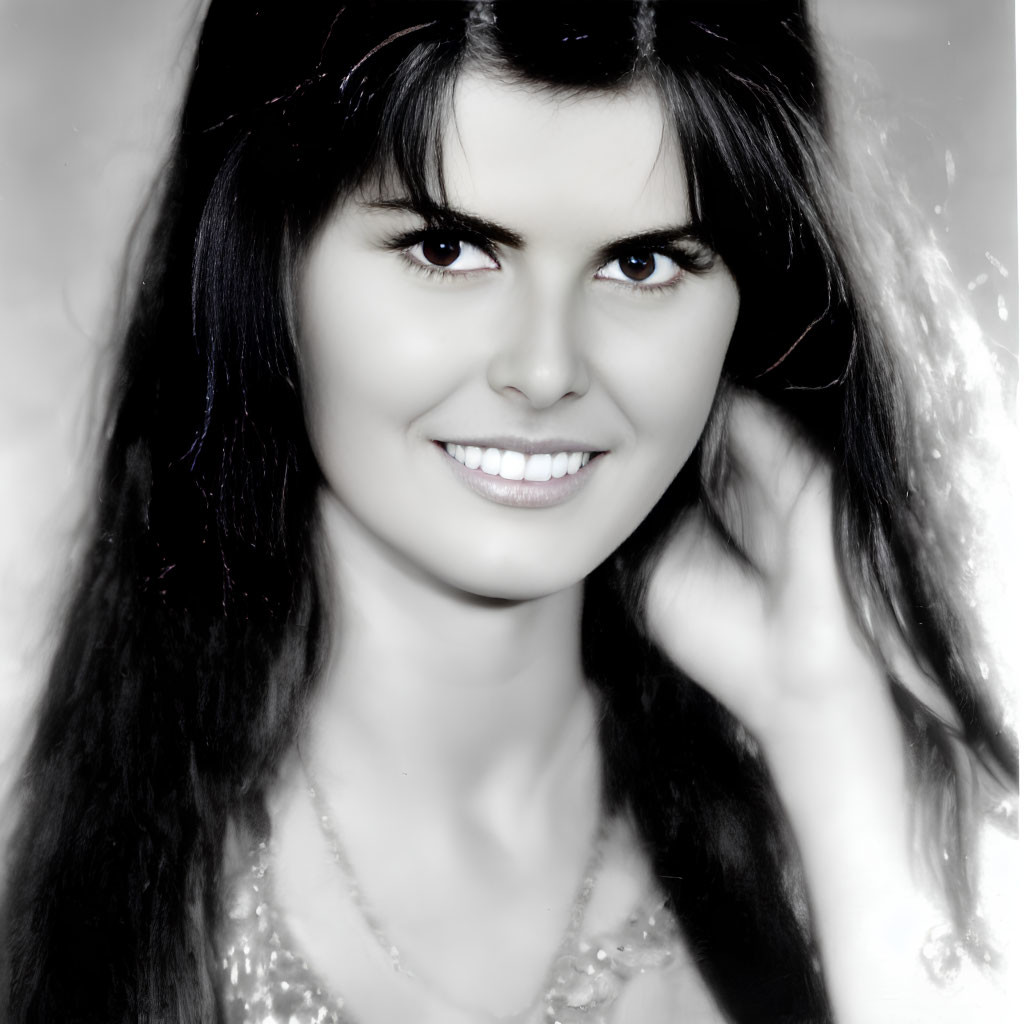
538,467
490,462
512,465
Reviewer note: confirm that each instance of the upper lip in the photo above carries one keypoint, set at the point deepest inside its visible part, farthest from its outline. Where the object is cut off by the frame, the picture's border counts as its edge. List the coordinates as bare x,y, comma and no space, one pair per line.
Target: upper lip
528,446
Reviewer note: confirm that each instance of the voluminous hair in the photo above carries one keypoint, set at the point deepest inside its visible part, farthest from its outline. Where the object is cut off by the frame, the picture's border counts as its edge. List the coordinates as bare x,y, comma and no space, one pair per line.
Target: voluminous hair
196,630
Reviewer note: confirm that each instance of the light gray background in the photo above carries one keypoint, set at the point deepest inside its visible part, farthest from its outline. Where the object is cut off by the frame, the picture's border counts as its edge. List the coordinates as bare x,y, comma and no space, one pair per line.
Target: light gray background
87,91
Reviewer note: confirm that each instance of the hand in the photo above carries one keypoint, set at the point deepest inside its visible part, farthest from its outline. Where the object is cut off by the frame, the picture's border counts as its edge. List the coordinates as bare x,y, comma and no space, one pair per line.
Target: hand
760,619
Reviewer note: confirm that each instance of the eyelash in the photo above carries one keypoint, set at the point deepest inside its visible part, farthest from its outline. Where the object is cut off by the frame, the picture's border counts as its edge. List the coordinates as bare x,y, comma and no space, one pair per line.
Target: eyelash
694,260
403,243
690,261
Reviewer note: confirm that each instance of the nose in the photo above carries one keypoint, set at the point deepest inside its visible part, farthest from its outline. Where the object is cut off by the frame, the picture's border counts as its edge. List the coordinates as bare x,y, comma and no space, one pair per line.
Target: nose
540,355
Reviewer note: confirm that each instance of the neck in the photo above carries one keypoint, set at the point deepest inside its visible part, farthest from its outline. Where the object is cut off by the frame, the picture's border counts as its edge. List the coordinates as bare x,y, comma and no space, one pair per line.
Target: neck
443,696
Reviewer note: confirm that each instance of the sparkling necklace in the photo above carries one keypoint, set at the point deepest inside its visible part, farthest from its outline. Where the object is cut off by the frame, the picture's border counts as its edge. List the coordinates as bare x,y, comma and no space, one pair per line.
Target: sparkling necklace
376,927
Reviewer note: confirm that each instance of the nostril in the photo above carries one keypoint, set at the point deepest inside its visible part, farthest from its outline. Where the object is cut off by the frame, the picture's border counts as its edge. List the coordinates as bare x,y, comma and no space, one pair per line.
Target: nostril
540,398
542,361
542,387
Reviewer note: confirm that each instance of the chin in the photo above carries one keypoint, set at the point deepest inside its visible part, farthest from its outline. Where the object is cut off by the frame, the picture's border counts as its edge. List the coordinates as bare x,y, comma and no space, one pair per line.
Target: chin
519,579
520,586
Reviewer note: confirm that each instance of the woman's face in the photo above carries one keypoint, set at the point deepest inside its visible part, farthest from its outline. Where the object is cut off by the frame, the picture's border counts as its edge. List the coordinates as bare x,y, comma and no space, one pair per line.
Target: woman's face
558,320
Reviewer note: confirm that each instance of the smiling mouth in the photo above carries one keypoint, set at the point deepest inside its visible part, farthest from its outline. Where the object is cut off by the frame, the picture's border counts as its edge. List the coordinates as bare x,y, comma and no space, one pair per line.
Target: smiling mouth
537,467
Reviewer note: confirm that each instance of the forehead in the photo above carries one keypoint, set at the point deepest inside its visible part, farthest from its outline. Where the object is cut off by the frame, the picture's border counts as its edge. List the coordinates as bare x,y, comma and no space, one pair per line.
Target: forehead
521,154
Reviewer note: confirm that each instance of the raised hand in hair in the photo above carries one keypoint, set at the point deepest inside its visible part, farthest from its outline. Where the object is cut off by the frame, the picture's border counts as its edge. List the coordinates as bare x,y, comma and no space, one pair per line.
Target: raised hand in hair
759,616
755,610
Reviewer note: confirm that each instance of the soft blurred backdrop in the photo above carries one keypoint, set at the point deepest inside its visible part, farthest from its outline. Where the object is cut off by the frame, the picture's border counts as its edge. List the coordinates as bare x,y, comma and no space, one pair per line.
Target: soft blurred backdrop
87,94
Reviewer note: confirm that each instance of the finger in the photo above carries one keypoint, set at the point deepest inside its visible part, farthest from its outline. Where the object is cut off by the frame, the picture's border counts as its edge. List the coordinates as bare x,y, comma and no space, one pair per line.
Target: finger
784,490
796,548
768,452
705,609
769,464
808,561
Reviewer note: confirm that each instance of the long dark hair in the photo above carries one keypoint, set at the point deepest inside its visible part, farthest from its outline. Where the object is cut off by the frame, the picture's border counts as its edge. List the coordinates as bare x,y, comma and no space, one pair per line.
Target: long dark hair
195,631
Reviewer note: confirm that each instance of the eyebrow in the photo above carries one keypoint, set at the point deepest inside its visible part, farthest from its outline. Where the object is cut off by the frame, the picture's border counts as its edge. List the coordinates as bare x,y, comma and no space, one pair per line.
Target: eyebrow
446,218
657,240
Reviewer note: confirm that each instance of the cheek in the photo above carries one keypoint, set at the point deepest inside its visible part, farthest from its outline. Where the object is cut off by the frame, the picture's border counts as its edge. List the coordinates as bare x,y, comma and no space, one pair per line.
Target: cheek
385,343
667,378
360,370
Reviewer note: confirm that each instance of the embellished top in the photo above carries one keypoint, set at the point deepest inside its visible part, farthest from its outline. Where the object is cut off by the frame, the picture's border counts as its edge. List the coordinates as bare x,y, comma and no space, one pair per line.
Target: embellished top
265,980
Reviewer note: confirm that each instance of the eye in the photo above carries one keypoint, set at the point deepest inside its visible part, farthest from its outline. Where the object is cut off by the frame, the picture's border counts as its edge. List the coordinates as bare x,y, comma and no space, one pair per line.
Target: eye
450,255
646,269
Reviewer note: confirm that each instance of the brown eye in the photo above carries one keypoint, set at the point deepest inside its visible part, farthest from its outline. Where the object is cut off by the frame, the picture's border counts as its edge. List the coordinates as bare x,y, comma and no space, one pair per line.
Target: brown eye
637,266
643,270
441,252
449,256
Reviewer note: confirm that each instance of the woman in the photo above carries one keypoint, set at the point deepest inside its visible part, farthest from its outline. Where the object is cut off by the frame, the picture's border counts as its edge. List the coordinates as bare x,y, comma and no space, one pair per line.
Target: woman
518,589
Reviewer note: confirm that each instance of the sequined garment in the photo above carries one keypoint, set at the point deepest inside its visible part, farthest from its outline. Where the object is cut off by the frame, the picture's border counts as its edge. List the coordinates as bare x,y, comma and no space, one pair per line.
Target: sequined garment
265,981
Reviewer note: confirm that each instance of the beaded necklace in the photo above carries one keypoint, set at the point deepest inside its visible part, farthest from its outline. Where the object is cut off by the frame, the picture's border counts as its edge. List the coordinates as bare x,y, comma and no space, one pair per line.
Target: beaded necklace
376,928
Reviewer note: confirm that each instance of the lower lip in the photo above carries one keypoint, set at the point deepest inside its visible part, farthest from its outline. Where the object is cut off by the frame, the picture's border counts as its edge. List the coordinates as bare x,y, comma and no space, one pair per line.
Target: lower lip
521,493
